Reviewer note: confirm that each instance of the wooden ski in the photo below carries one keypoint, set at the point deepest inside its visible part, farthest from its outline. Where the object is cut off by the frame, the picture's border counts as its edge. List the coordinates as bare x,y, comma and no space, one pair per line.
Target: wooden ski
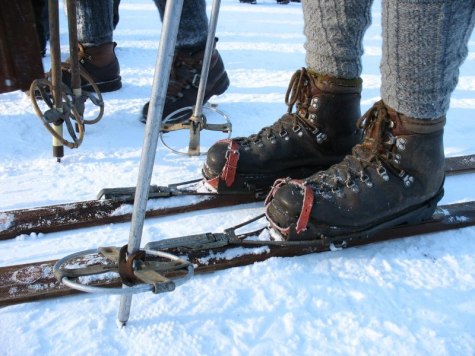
117,205
217,251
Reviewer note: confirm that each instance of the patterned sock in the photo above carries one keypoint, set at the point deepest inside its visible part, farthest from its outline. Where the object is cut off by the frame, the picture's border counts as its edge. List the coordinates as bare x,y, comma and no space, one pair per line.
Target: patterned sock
424,44
334,31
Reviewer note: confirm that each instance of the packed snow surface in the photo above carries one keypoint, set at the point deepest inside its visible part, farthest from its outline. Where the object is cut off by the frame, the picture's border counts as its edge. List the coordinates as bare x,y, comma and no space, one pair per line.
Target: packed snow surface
406,297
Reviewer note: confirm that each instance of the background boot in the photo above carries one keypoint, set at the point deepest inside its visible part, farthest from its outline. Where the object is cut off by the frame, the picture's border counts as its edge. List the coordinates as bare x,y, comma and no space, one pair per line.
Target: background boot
184,82
101,63
320,132
394,176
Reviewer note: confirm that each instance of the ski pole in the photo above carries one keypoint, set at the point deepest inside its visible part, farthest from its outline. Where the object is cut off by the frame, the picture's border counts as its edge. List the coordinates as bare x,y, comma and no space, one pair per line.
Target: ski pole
53,18
168,36
74,57
196,119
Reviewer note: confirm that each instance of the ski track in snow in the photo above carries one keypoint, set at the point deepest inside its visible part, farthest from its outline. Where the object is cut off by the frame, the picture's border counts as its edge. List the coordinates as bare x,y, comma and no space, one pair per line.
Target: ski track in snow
414,296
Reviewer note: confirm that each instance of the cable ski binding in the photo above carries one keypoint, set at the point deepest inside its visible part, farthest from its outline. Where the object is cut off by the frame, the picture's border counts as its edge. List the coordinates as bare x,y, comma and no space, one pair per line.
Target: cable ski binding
197,187
126,194
149,269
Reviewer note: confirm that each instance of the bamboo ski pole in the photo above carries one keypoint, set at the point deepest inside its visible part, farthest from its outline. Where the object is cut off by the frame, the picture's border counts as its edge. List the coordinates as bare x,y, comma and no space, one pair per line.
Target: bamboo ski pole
56,79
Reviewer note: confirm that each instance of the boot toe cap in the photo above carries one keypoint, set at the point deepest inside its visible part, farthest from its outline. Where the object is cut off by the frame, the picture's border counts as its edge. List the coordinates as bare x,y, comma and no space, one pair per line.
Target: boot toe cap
286,206
215,160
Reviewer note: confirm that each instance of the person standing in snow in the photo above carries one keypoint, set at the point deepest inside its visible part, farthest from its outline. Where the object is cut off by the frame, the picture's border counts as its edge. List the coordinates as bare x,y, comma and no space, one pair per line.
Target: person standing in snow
353,175
96,22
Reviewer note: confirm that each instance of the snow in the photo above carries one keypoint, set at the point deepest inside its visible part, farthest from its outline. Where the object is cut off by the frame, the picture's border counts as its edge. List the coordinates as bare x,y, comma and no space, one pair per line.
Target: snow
233,253
404,297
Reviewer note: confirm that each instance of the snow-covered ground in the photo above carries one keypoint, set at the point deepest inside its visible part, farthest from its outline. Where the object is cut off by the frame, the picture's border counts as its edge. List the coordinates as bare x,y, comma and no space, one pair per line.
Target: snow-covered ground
405,297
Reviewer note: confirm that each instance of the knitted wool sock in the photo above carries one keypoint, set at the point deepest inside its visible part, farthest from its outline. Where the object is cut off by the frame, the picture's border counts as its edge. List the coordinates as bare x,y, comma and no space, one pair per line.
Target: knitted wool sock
424,44
193,30
334,31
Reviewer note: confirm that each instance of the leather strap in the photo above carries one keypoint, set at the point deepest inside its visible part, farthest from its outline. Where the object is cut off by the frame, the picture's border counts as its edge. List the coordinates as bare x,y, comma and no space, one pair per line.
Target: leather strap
302,222
304,217
126,268
228,173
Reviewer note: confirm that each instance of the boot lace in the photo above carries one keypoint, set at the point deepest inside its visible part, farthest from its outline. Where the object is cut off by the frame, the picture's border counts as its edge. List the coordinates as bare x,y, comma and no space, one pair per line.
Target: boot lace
298,94
379,150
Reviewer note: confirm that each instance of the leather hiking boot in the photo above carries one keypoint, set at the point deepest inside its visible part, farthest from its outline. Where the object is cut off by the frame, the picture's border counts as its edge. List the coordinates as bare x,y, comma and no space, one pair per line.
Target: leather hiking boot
101,63
320,132
184,82
395,176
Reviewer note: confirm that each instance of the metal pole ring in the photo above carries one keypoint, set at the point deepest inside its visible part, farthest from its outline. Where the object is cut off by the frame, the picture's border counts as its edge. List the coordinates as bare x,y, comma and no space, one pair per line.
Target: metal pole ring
139,288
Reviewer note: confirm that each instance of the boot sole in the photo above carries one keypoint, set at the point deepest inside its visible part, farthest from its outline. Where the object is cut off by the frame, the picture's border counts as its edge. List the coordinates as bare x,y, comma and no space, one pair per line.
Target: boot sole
411,216
106,86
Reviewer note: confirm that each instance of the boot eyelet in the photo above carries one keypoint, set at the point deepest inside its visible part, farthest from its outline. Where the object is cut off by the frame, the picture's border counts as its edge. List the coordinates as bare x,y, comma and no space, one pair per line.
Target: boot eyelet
337,191
298,130
312,117
397,159
408,180
245,146
315,103
271,138
365,179
321,137
353,186
401,144
383,173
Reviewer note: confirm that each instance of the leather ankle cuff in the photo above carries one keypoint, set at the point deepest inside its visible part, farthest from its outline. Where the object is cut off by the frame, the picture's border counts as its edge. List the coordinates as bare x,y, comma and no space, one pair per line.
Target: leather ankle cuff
419,126
338,85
